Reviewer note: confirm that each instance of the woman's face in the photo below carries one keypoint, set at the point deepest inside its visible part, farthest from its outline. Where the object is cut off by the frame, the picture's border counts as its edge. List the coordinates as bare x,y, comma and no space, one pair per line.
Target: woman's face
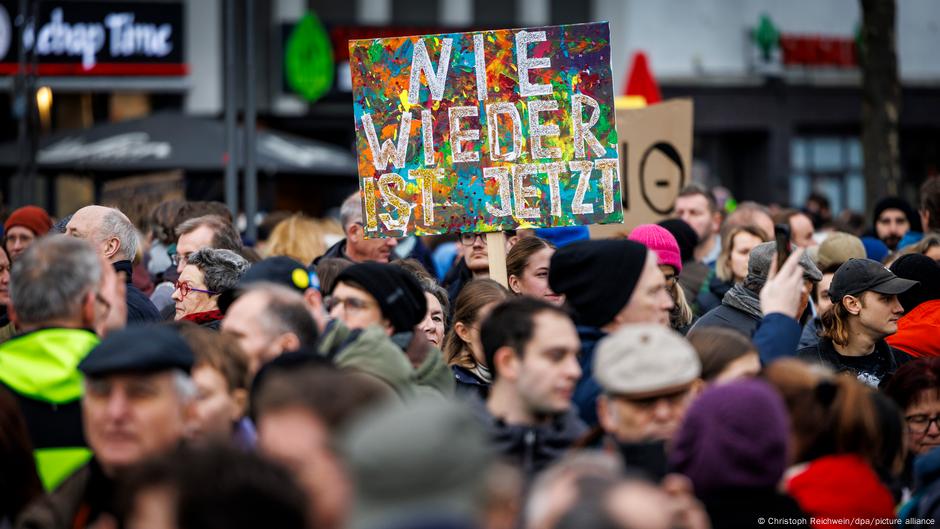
476,346
922,419
741,246
433,323
4,279
194,301
217,408
534,279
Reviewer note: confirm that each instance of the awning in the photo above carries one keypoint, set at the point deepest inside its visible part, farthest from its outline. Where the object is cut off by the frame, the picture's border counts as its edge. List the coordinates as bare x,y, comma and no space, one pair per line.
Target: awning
175,141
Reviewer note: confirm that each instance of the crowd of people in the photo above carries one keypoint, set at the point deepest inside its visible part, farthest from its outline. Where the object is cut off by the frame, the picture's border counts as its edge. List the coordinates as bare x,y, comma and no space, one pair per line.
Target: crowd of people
162,373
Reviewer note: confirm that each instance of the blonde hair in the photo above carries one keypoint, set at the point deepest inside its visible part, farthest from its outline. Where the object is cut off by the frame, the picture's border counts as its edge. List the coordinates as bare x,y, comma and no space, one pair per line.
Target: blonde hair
299,237
681,314
723,264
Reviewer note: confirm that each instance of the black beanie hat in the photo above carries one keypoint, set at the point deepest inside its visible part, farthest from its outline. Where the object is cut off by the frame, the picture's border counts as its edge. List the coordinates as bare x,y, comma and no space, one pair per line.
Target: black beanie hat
896,203
597,277
920,268
398,293
685,236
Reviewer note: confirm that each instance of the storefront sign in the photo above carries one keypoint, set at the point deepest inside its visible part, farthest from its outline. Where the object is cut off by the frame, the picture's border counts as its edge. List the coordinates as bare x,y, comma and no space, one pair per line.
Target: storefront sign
97,38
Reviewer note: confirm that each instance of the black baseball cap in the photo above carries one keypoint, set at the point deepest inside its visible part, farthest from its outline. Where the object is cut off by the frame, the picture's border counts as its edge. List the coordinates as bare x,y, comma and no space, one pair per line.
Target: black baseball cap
859,275
280,270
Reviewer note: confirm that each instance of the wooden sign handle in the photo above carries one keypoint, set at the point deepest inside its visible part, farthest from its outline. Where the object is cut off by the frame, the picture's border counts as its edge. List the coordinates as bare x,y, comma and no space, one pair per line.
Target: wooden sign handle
496,250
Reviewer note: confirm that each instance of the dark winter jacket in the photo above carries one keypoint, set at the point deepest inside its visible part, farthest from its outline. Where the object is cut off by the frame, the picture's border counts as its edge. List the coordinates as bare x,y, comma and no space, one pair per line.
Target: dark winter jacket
139,307
926,500
870,369
468,384
40,368
810,336
587,390
743,508
531,448
338,250
776,337
729,317
78,502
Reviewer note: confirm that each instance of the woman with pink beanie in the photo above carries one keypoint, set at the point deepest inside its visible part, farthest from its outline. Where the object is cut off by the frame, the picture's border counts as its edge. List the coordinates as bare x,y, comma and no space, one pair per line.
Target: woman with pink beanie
660,241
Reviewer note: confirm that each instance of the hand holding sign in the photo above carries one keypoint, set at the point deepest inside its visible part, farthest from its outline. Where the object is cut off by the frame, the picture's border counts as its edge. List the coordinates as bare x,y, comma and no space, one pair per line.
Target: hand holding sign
487,131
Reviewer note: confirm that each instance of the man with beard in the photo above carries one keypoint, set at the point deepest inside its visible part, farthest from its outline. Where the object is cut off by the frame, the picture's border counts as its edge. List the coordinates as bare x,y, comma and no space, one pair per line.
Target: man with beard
893,219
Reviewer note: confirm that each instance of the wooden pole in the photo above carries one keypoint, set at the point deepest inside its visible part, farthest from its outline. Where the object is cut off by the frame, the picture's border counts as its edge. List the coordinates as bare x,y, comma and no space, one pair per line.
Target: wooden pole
496,251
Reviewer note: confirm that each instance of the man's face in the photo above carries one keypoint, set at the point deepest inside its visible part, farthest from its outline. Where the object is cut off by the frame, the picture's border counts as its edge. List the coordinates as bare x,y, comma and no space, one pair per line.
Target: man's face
650,301
301,442
823,303
879,313
244,321
129,417
891,226
360,249
356,308
18,239
217,408
632,420
191,242
694,210
801,231
549,369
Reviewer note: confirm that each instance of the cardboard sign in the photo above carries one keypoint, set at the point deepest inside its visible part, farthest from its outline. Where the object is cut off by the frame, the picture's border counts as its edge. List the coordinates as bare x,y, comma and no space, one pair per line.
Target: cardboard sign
655,163
486,131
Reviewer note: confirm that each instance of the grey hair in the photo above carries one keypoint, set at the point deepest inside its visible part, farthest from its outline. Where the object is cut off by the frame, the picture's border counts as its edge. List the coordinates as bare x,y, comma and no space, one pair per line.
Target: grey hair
116,224
184,385
221,269
224,235
285,311
50,280
351,211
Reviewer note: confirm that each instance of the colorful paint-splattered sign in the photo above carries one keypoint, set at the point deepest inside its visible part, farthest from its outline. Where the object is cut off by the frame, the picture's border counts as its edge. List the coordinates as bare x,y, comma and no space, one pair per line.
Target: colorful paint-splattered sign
486,131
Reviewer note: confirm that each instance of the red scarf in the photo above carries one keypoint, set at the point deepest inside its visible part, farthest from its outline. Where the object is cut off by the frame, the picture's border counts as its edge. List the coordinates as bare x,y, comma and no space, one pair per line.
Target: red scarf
202,318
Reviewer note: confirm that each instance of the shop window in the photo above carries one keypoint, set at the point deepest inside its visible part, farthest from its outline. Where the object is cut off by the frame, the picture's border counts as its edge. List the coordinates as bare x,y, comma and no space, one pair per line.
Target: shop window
831,165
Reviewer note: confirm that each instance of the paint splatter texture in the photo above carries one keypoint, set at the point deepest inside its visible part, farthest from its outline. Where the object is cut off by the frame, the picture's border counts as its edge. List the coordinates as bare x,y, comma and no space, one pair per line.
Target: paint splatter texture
486,131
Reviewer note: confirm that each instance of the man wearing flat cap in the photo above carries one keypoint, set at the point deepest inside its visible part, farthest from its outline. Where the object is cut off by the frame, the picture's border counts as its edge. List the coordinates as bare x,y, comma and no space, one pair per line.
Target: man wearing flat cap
608,284
138,403
865,310
649,375
740,309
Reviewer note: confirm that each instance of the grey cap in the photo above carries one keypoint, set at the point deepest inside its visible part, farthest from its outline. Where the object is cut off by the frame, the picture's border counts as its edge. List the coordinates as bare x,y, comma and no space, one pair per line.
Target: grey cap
644,360
428,458
762,258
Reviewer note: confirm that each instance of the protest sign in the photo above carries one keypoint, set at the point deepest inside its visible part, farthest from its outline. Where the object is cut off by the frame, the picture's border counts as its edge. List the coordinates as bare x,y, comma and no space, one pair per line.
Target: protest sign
486,131
655,163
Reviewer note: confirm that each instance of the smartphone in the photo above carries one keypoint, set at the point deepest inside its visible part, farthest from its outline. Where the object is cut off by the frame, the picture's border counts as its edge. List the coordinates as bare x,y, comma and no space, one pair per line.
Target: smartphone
782,236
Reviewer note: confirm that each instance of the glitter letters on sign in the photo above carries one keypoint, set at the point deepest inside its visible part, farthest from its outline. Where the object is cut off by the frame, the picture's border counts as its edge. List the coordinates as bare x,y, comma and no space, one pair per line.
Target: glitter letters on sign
486,131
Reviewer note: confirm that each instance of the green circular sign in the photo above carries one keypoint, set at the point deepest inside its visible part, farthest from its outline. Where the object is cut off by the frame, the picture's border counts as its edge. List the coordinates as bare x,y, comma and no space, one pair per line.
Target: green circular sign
308,59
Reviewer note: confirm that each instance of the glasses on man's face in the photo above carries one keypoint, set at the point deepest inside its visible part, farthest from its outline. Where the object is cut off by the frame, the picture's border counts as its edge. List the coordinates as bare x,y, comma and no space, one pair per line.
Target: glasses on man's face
177,258
920,423
467,239
350,304
185,288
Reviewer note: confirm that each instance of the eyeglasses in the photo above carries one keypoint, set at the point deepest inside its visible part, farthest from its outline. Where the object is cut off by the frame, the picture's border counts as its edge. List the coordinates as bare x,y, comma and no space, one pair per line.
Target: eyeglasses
185,288
467,239
350,304
177,258
921,423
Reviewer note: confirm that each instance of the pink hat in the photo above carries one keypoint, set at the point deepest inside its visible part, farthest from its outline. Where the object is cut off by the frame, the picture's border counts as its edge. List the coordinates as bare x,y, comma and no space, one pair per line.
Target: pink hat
659,240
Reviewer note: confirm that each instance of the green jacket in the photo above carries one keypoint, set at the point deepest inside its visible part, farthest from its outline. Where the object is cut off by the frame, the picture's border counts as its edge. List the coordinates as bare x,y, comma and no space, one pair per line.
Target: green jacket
41,369
371,351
